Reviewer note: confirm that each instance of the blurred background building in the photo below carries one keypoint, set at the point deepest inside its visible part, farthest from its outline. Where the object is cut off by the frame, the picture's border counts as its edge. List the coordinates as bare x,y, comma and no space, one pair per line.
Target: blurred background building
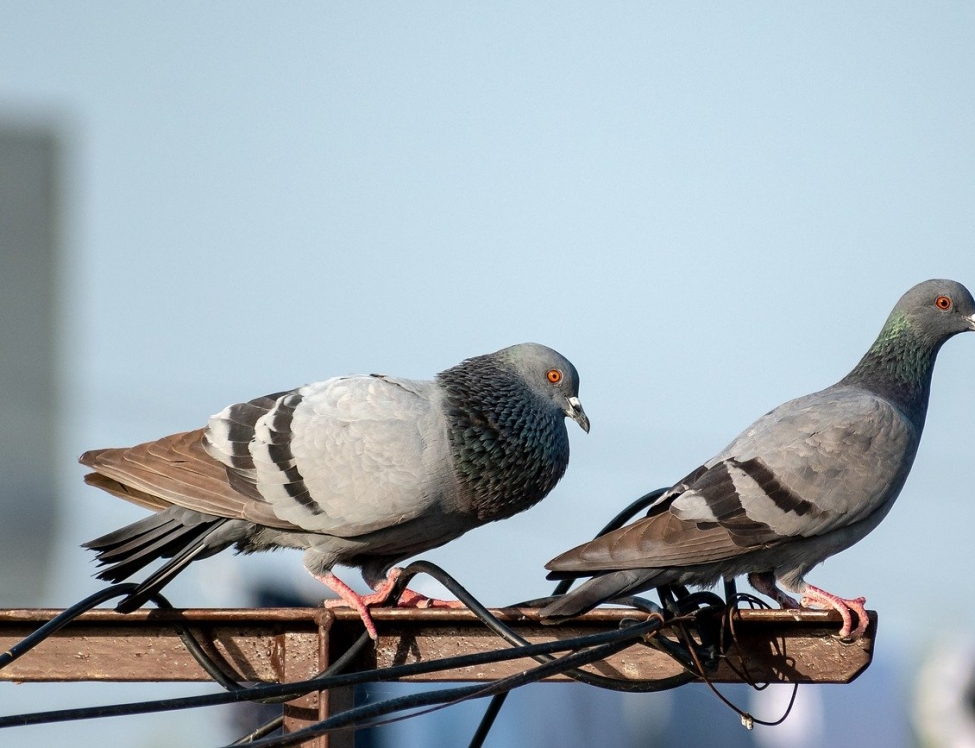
31,181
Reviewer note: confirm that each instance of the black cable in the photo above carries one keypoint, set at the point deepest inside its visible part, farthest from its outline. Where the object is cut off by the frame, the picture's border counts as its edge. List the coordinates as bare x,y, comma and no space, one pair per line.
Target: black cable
615,524
61,620
445,697
335,668
203,659
299,688
441,699
487,721
262,731
499,628
678,598
510,636
70,614
730,589
118,590
683,607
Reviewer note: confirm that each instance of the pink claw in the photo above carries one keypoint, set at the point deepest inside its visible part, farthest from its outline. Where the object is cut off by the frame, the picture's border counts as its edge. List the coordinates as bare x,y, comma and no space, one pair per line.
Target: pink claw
815,596
350,598
411,599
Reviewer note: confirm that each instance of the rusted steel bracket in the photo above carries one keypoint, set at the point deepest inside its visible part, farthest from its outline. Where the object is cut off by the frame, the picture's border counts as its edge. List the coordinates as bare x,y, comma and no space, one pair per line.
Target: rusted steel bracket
292,644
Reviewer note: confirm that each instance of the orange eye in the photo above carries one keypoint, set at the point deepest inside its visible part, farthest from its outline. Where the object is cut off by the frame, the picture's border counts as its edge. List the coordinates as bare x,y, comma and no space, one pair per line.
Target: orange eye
942,302
554,376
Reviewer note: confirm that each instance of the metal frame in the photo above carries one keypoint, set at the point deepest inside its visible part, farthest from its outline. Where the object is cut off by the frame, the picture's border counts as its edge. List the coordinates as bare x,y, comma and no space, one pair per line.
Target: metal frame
292,644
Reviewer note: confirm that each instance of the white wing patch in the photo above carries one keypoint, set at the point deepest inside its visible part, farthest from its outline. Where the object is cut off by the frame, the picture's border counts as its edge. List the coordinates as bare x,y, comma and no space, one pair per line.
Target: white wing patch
826,449
346,456
371,452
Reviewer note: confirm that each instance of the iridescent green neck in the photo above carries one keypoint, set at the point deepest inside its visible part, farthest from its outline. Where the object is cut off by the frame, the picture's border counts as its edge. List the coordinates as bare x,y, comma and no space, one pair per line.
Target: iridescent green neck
509,449
898,367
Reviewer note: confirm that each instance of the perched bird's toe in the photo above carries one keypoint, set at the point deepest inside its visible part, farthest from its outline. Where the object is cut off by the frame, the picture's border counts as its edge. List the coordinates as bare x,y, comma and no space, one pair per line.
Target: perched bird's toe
411,599
845,607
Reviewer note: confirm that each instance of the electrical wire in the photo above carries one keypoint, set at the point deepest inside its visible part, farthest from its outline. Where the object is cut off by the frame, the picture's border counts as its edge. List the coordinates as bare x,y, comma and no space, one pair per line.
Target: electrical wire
321,683
61,620
355,717
624,516
709,615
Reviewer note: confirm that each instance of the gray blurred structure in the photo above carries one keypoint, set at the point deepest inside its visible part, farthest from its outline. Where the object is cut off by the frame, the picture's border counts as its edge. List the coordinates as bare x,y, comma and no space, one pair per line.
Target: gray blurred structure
944,698
29,233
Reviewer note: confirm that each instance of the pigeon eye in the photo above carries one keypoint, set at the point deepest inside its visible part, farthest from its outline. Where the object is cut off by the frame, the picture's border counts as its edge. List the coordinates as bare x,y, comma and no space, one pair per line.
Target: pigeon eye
554,376
943,302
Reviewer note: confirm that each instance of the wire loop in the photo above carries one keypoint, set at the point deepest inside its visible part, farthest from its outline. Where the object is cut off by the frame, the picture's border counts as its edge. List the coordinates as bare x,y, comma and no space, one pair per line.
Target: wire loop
696,629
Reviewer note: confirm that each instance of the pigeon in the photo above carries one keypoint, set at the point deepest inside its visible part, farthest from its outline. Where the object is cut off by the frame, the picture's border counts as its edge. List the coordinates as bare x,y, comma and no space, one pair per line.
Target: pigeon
805,481
362,471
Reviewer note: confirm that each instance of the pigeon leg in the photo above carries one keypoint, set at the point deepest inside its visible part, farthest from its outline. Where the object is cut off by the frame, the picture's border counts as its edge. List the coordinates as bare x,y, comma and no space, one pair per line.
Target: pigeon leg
764,582
815,596
352,599
361,603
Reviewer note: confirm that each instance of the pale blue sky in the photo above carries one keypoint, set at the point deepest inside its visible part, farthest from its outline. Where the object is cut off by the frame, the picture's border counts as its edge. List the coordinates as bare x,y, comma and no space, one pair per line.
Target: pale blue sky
709,208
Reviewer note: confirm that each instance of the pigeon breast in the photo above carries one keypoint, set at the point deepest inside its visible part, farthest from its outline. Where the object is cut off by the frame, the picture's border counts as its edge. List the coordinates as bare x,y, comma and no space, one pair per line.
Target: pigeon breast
509,446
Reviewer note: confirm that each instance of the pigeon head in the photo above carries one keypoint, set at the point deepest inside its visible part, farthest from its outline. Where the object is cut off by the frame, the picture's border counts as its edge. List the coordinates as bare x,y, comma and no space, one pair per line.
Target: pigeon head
505,414
934,310
900,362
550,375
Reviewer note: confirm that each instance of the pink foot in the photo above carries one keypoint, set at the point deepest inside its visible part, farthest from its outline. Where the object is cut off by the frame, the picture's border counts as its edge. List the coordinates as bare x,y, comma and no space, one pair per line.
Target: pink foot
408,598
816,596
350,598
411,599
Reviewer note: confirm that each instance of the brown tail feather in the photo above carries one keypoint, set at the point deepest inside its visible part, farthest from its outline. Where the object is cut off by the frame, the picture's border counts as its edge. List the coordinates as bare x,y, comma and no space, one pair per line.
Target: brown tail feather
128,493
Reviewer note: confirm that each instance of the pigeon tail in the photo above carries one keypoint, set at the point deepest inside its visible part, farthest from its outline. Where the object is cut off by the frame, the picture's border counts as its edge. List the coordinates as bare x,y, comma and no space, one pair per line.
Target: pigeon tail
602,588
129,549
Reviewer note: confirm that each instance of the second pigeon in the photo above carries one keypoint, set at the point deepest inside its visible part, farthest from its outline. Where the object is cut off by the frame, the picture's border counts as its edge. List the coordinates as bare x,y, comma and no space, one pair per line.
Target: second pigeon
803,482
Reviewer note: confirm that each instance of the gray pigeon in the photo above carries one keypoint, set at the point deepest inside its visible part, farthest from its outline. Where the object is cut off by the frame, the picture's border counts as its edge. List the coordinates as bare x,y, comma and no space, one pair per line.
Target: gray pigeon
805,481
362,471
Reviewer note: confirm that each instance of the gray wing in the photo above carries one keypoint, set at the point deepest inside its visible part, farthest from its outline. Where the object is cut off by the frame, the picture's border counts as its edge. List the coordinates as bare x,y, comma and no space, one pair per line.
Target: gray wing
347,456
811,466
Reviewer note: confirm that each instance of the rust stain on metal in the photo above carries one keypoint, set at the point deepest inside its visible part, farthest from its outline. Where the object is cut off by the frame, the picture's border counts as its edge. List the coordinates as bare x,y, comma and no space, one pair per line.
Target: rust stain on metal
271,645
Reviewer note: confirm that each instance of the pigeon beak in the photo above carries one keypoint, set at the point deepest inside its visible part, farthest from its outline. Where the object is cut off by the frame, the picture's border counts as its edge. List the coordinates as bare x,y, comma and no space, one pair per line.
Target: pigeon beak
971,322
577,414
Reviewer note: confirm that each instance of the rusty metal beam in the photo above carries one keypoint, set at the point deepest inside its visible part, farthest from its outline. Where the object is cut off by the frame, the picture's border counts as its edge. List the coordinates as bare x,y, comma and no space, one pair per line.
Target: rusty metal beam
776,645
291,644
